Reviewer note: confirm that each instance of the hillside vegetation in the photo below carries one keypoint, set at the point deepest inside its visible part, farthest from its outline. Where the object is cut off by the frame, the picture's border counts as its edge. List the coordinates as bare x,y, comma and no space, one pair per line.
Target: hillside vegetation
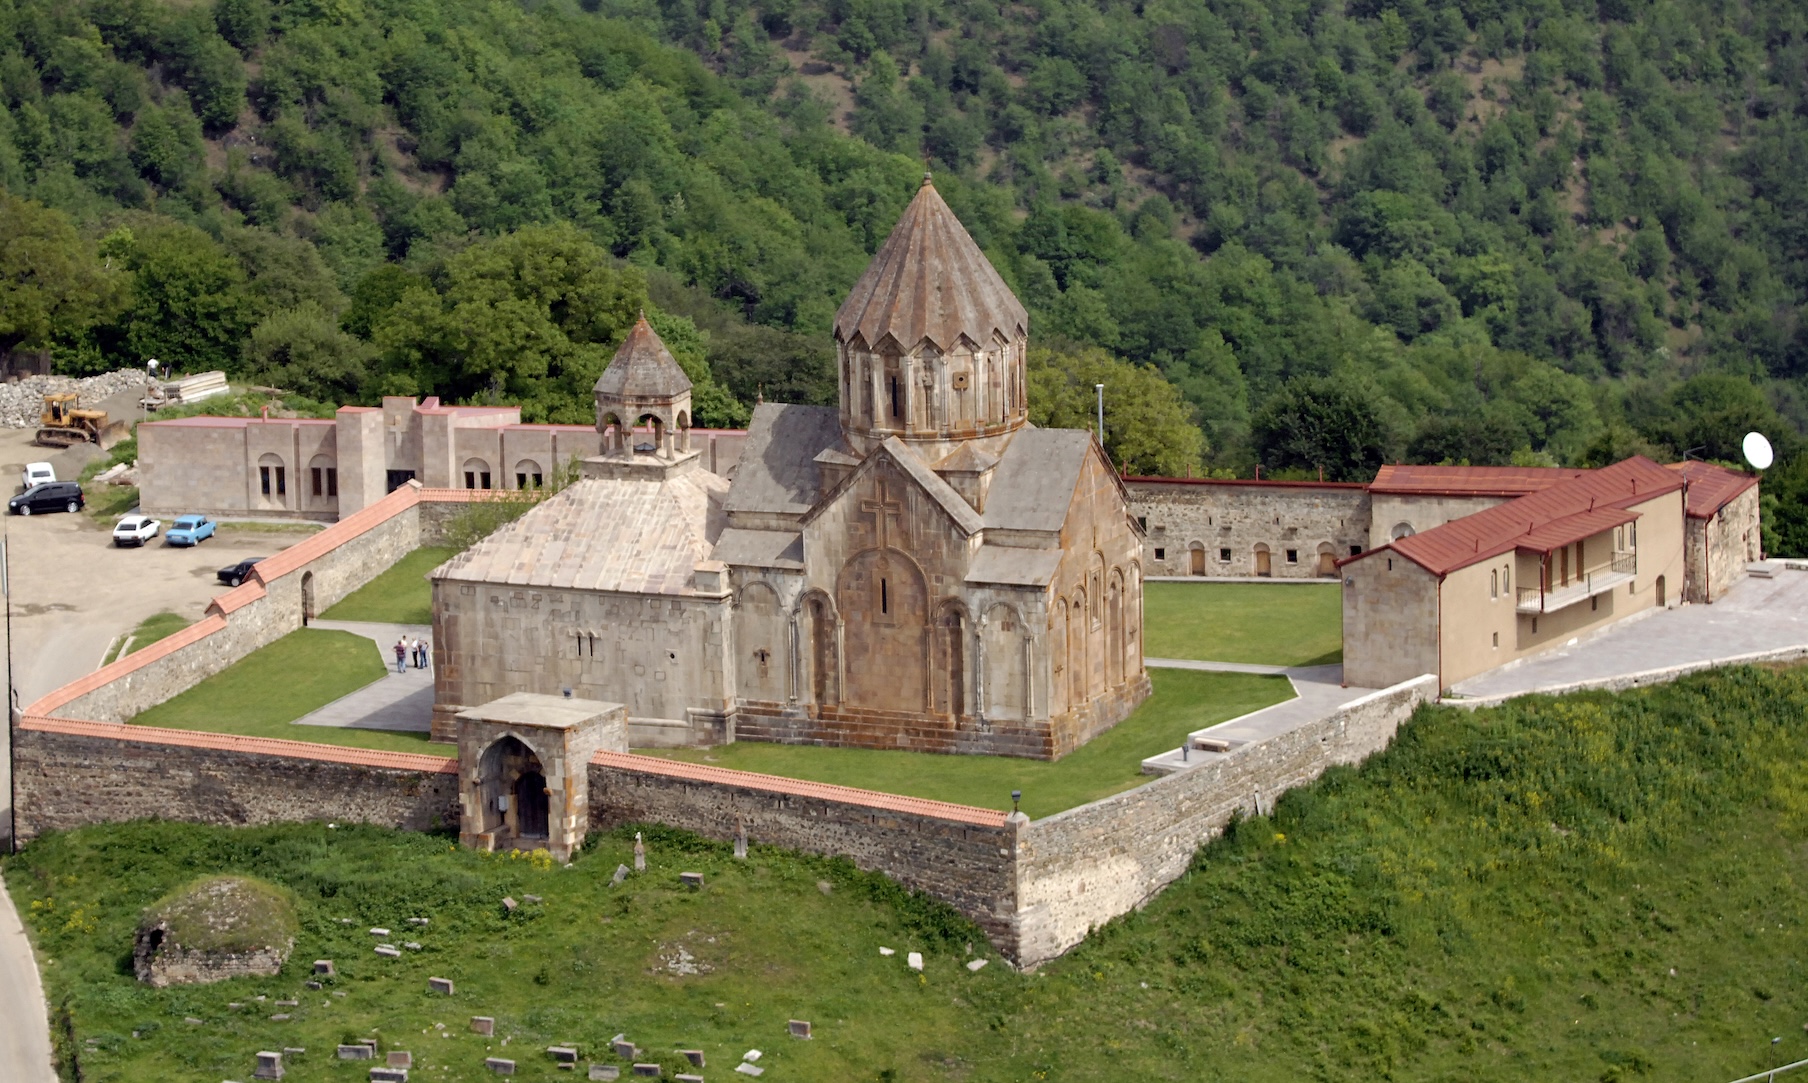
1592,888
1482,231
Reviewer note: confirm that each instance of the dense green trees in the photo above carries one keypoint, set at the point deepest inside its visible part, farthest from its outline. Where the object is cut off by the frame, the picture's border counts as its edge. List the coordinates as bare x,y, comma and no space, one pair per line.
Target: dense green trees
1525,230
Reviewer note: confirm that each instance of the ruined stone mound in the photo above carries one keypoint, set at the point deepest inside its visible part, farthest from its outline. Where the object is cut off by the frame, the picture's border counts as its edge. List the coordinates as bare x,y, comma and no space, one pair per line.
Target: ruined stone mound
214,928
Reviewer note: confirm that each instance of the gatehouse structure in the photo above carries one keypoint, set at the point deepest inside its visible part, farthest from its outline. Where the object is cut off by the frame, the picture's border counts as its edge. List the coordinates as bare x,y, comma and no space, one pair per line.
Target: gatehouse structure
918,567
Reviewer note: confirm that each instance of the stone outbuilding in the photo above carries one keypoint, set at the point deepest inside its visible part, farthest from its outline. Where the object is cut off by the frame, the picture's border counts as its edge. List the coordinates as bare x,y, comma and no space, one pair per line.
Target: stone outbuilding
524,770
916,568
1722,529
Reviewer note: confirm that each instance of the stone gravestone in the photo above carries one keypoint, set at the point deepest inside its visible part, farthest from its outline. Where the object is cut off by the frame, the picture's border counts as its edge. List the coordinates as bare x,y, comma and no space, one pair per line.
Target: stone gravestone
740,841
607,1072
499,1065
269,1066
323,966
649,1071
396,1058
440,985
621,873
750,1069
976,965
388,1075
389,951
800,1028
564,1054
356,1052
695,1056
624,1049
383,933
484,1025
640,854
686,1077
691,879
509,904
914,960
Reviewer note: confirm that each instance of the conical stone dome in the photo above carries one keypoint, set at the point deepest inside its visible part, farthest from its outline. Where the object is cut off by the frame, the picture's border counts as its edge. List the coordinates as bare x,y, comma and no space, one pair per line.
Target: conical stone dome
930,281
643,368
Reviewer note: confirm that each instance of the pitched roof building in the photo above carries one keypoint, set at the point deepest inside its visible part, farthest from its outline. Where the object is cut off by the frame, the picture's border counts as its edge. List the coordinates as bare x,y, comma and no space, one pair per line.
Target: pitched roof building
918,567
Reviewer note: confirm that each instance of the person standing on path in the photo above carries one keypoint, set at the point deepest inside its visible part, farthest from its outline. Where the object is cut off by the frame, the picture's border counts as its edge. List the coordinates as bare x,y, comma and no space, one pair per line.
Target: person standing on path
401,655
426,652
420,655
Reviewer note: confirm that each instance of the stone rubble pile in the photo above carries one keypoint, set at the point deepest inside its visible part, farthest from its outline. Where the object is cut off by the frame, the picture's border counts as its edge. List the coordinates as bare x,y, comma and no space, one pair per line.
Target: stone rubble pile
22,402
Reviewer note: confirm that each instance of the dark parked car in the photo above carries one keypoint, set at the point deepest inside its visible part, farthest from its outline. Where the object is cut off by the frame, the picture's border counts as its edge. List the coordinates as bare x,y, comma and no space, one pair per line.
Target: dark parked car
50,496
235,574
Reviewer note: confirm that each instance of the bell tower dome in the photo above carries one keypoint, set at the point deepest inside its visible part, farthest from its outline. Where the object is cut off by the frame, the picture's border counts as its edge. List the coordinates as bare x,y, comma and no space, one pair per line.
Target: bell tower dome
643,383
931,341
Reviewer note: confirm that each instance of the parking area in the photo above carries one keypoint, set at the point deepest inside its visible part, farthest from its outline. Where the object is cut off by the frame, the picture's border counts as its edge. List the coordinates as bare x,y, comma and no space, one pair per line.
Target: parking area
73,592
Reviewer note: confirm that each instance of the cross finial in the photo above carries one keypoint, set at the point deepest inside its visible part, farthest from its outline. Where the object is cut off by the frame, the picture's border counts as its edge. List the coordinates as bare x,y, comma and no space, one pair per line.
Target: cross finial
927,176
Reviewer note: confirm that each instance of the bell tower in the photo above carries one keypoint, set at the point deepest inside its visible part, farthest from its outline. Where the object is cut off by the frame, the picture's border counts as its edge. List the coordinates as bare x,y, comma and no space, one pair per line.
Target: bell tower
643,383
930,342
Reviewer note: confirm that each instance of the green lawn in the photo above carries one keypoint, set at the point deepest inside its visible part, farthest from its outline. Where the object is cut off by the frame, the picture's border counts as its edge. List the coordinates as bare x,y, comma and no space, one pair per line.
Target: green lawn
1184,700
400,595
266,691
1586,889
1279,624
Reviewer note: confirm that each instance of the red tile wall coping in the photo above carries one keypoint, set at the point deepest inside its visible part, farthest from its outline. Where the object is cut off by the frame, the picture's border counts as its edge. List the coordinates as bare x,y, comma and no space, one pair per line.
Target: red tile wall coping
163,648
226,742
822,791
312,548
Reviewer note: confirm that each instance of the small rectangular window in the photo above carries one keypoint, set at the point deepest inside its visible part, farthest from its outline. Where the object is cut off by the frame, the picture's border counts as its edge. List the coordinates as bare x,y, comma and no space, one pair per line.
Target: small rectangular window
1142,521
1293,556
470,479
332,481
316,476
1355,550
1494,584
484,478
263,474
1161,554
1224,556
282,481
1497,640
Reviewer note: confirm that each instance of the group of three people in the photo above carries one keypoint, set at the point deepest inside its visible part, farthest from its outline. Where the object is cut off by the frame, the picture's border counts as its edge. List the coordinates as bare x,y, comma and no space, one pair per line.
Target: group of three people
406,652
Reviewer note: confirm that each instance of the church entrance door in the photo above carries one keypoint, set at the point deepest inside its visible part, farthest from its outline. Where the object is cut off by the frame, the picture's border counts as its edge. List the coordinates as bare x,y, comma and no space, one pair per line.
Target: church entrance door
1198,558
1263,567
530,805
884,607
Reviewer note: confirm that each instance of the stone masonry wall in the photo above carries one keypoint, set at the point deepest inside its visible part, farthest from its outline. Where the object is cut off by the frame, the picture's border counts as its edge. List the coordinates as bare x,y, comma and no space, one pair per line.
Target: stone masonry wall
961,855
1186,514
1080,868
75,773
1729,540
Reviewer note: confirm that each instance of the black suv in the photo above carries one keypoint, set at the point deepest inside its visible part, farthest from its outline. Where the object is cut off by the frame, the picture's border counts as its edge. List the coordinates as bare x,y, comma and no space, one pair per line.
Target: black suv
50,496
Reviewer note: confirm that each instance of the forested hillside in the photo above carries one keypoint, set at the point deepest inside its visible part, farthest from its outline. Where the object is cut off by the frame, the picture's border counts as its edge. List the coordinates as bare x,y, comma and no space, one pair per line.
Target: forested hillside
1488,231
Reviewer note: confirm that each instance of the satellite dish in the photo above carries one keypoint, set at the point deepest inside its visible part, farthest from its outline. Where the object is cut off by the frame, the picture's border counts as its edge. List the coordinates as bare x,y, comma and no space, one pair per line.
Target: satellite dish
1757,451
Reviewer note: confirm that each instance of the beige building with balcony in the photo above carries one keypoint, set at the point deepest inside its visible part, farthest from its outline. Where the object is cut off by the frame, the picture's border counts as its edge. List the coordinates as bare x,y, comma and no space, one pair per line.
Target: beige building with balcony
1517,578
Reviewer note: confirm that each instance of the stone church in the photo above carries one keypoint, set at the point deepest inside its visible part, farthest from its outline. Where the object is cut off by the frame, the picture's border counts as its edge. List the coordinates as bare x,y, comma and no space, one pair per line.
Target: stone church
919,568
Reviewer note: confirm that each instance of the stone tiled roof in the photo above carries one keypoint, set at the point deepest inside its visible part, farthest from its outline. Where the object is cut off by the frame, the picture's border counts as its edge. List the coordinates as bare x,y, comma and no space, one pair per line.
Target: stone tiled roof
643,368
636,535
778,471
930,281
1035,479
1009,566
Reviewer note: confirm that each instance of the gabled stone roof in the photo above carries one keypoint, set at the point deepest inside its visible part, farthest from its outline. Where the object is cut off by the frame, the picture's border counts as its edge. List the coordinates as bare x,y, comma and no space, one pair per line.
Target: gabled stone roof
929,280
643,368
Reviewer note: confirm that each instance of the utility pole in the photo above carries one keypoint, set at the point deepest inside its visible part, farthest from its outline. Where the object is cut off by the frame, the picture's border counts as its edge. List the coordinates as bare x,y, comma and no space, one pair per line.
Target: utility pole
12,714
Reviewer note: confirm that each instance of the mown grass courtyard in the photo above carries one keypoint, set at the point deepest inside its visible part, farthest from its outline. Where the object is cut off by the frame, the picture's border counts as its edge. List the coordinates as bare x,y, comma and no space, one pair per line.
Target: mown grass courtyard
1597,887
400,595
1277,624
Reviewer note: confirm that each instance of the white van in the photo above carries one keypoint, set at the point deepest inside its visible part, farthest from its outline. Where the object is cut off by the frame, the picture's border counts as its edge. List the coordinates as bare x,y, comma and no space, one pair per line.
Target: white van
37,474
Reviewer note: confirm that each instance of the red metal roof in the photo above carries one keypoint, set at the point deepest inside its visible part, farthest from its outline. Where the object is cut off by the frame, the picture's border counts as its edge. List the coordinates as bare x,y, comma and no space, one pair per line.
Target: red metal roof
1469,480
723,776
1539,522
1712,486
1249,481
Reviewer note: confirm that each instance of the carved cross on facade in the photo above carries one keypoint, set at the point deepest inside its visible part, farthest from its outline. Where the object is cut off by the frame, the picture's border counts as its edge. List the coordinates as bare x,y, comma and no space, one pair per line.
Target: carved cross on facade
882,510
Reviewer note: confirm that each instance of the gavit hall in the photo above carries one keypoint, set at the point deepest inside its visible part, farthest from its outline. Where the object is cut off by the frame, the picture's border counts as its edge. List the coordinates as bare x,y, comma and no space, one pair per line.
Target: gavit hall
1517,578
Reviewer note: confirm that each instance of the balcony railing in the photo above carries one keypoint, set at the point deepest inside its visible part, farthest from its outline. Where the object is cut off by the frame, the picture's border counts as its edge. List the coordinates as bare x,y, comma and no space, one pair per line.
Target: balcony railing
1620,568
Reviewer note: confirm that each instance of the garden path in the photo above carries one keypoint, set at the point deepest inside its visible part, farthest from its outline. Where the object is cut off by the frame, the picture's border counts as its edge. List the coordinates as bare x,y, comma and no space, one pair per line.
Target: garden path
1317,691
24,1019
399,701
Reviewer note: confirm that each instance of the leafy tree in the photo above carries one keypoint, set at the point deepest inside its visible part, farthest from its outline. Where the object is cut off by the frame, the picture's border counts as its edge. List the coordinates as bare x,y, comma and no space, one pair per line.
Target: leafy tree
53,287
1148,426
190,306
304,351
1320,423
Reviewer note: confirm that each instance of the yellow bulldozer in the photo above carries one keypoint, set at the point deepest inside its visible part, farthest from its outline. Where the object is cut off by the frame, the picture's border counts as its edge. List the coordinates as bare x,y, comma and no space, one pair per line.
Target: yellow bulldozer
64,423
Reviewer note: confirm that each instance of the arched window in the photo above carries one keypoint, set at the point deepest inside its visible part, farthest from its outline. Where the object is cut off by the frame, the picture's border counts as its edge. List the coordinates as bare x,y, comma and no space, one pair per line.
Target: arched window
528,475
273,479
1402,530
477,474
323,479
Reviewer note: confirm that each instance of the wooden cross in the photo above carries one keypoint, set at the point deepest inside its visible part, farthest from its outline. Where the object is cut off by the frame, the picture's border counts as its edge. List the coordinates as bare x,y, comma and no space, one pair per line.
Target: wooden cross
881,510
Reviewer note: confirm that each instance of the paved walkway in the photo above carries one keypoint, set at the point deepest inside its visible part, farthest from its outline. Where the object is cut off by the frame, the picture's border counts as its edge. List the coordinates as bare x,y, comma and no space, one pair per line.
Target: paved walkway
399,701
1756,616
1317,691
24,1019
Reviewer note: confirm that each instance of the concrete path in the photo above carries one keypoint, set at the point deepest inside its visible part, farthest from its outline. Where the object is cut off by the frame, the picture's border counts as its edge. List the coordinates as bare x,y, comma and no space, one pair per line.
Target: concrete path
24,1018
1216,667
399,701
1317,691
1756,616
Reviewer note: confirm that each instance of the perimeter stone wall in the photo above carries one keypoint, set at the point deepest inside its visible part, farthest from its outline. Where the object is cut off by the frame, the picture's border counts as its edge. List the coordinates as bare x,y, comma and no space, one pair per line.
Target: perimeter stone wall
1183,515
1079,869
110,774
967,865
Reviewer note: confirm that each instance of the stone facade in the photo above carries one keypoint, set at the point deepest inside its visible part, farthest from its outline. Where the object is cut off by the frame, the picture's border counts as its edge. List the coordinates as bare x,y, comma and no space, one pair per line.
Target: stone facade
1720,545
305,468
916,569
1270,529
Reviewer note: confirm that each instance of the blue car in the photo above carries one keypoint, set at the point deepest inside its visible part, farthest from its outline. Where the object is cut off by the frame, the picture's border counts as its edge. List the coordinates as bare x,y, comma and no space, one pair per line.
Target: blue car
189,530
